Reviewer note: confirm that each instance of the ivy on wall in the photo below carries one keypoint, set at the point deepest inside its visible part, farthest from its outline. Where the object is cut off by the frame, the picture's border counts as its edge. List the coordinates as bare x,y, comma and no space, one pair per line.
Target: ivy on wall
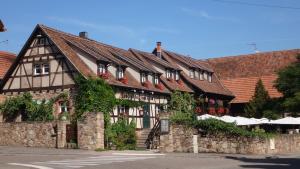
30,109
95,95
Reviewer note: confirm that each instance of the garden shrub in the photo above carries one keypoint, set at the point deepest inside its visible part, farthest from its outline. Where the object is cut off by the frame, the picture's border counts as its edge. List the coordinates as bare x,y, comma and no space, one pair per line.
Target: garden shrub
123,135
30,109
214,126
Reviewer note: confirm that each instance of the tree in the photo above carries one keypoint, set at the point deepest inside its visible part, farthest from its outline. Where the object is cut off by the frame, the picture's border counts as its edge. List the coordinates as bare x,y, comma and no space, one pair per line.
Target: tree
182,107
259,100
288,83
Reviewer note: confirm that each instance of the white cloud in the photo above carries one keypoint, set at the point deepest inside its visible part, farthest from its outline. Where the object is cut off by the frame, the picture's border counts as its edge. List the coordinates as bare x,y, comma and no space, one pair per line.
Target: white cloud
119,29
205,15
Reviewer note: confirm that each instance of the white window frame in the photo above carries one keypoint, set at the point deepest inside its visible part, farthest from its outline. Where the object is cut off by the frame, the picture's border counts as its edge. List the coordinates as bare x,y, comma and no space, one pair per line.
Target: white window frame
210,77
205,75
168,74
156,81
36,67
120,73
177,75
201,75
44,65
143,77
63,107
192,73
101,68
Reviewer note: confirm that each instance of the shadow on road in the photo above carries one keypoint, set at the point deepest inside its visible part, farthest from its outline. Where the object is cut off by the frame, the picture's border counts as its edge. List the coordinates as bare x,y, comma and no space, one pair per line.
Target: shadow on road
268,162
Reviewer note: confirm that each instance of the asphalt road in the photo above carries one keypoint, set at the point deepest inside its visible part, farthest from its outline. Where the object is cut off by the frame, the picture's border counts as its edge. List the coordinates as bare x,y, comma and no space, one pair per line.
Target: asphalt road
40,158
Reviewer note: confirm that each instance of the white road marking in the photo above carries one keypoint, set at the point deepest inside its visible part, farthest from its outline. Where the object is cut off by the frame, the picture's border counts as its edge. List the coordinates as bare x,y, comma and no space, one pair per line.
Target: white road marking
29,165
132,154
89,161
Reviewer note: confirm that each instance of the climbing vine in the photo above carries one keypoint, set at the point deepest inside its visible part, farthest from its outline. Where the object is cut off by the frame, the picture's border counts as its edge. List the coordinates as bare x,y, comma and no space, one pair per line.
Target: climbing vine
28,108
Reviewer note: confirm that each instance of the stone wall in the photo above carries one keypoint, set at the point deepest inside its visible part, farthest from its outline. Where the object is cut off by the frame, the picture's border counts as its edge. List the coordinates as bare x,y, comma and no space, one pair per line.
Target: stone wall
33,134
91,131
180,139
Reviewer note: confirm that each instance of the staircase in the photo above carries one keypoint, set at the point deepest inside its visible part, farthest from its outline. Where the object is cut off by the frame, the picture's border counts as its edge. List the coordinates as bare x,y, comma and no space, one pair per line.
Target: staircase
141,139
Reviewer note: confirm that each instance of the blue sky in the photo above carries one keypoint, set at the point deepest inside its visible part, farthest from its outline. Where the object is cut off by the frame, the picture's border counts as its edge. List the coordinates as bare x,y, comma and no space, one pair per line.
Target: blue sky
199,28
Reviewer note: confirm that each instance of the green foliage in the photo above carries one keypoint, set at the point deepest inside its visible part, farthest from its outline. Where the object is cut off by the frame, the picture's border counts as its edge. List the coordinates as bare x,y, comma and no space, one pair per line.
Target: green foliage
123,135
213,126
94,95
269,114
258,102
30,109
129,103
182,106
288,82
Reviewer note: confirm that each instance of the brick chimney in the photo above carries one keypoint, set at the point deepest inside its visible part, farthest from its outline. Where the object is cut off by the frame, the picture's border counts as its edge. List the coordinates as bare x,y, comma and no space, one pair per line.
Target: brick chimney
83,35
158,49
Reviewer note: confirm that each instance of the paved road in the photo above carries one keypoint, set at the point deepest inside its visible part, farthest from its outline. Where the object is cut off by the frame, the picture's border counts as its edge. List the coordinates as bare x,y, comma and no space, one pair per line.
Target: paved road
38,158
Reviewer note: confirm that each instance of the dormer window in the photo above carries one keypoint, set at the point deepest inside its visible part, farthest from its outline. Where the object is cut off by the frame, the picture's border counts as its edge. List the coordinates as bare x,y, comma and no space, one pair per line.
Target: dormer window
176,75
201,75
210,77
120,73
156,81
192,73
168,74
101,68
205,76
143,77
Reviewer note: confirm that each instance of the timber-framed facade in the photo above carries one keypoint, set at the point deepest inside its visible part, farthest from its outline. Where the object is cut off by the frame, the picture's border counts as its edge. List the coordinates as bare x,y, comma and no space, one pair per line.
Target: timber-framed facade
50,59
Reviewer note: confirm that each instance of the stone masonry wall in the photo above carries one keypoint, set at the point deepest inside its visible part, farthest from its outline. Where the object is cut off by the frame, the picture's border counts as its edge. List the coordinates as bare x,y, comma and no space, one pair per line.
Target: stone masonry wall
91,131
180,139
28,134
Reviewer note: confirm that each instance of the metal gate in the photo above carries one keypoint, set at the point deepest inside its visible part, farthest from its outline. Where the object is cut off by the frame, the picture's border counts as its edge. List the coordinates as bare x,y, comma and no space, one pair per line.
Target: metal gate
71,133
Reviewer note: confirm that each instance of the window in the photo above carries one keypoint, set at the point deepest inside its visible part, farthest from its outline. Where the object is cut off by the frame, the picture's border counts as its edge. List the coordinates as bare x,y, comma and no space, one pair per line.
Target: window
41,41
205,75
168,74
101,68
143,77
37,69
41,68
201,75
63,107
176,75
192,73
156,81
46,68
120,73
210,77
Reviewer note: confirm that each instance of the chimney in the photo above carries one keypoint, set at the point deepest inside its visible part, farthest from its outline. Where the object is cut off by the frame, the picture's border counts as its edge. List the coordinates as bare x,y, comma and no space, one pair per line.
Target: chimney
83,34
158,49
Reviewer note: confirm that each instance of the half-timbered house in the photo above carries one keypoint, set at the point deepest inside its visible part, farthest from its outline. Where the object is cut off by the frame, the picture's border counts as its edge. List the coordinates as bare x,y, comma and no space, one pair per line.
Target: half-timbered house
50,59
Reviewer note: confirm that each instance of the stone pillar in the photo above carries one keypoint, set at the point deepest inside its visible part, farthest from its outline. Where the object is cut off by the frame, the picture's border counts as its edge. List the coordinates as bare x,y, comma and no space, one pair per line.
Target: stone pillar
62,133
91,131
166,141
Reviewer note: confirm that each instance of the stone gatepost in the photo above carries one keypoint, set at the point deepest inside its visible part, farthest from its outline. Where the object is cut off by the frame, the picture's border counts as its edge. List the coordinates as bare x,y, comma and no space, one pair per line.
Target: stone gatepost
62,133
91,131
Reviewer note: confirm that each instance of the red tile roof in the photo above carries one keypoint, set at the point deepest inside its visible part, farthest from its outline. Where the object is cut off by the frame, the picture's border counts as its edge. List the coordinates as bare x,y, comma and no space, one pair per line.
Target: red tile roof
243,88
65,41
6,60
240,73
253,65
